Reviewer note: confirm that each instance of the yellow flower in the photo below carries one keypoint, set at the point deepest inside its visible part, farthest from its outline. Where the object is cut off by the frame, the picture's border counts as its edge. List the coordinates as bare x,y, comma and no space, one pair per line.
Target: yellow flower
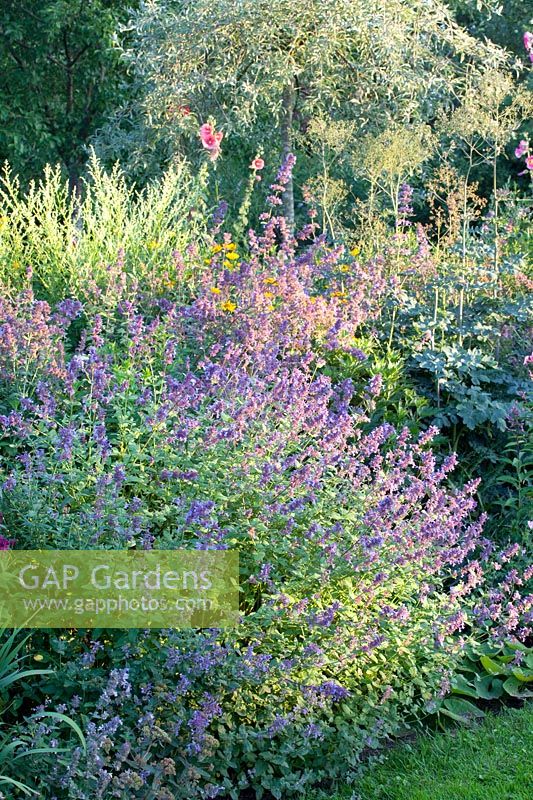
355,251
152,245
344,268
230,246
228,264
270,308
233,256
216,248
228,306
268,295
271,282
38,657
215,289
207,260
338,294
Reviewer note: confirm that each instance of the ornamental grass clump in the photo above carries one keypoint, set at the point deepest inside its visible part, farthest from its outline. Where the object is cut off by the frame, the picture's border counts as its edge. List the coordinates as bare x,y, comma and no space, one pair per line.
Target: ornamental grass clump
209,422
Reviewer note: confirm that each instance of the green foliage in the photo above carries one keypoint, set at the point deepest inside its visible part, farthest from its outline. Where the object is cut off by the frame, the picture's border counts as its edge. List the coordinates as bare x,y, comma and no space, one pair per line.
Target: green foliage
468,387
69,245
508,487
399,402
59,76
13,749
490,673
171,426
502,21
489,761
12,656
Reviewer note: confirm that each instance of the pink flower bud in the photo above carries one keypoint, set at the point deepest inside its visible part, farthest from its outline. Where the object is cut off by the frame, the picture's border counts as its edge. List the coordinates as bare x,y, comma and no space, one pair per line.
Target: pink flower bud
521,149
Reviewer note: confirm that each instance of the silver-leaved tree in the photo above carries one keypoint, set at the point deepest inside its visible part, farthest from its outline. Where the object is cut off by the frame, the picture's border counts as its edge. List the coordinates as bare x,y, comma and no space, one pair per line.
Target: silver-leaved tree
266,68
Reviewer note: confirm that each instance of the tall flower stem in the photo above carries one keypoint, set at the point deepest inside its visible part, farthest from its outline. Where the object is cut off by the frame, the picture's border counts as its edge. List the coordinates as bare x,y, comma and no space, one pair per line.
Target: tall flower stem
496,221
288,101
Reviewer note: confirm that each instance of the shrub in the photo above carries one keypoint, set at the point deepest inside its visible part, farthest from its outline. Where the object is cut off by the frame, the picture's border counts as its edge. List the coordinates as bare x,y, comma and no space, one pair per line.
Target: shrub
69,244
204,419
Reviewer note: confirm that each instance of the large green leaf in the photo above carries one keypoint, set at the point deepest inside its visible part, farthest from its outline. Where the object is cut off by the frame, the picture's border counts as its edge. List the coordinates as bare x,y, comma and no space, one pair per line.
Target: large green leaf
461,710
525,676
489,687
461,686
492,667
515,688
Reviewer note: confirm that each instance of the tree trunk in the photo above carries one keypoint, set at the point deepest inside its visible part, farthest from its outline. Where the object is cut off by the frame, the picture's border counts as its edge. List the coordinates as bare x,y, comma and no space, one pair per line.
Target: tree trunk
288,101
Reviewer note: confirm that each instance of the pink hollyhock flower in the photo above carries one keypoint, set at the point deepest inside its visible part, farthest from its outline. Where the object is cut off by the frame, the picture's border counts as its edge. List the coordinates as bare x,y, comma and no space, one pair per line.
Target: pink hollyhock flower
257,163
522,148
211,140
528,40
529,162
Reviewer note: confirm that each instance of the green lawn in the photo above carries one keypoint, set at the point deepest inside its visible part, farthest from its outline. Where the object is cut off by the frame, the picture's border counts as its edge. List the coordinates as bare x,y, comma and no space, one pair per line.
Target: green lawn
492,761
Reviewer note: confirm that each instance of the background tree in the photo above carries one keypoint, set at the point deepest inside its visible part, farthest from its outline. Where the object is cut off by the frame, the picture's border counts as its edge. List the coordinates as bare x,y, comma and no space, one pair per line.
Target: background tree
501,21
265,68
59,76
